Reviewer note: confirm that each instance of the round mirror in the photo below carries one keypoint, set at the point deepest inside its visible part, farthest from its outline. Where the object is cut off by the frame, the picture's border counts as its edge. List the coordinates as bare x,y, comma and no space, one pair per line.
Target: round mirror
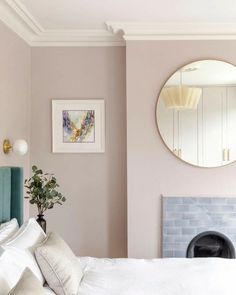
196,113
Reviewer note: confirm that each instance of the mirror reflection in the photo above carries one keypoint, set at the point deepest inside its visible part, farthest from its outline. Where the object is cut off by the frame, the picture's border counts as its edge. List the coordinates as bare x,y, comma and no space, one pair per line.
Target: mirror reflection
196,113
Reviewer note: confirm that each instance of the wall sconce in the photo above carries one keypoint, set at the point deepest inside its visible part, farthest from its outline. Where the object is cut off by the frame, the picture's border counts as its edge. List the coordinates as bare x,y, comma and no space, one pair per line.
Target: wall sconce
19,147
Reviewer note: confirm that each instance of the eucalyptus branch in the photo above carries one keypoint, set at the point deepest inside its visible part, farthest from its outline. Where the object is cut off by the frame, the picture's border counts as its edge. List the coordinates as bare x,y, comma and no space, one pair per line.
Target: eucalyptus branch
41,190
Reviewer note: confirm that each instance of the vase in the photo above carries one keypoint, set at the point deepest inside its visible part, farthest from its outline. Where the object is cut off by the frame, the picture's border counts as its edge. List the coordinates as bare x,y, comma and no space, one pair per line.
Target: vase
42,222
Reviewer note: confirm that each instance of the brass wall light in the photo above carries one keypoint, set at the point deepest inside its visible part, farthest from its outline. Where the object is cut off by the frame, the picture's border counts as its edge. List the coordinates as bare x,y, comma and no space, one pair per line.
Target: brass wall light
19,147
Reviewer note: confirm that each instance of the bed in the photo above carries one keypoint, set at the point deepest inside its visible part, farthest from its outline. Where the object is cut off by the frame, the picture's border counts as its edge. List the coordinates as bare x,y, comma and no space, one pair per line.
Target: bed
173,276
168,276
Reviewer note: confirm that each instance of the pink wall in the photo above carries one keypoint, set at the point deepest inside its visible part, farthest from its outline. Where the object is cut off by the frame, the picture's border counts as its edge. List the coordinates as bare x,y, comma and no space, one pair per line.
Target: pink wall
93,220
14,95
152,169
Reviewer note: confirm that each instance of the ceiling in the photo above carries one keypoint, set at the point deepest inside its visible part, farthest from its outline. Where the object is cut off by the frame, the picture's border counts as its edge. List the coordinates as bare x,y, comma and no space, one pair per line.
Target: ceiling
92,14
97,22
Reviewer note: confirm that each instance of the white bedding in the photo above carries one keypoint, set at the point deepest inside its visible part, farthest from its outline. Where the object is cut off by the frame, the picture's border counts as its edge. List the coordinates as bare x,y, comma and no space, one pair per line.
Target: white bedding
174,276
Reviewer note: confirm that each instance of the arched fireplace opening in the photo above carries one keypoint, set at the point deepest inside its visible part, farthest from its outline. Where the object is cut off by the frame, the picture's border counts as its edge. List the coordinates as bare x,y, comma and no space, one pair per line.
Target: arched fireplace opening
210,244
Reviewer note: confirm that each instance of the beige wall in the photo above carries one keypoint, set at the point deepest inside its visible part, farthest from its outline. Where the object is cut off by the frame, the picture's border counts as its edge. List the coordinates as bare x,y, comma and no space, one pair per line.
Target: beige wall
93,220
14,96
152,169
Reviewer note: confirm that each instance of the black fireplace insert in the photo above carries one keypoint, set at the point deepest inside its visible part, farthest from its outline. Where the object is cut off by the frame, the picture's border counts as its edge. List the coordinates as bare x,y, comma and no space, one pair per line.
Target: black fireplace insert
211,244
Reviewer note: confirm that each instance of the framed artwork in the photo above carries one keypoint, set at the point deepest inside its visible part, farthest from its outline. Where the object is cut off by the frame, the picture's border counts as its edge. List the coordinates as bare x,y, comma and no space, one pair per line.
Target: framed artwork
78,126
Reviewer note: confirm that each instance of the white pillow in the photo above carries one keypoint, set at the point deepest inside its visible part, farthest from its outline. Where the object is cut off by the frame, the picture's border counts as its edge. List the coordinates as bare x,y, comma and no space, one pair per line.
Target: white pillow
8,229
27,285
4,289
47,291
59,265
18,252
29,235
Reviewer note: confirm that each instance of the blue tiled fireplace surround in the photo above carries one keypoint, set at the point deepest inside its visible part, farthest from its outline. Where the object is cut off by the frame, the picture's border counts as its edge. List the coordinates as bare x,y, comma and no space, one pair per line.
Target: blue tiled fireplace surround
185,217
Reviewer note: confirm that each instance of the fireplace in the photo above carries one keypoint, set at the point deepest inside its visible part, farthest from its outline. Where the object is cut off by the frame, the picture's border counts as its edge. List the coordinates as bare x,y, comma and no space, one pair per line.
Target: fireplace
210,244
205,226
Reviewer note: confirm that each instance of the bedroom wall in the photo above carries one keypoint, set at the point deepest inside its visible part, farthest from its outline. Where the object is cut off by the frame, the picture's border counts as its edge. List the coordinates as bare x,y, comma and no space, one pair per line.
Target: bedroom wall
152,169
14,96
93,219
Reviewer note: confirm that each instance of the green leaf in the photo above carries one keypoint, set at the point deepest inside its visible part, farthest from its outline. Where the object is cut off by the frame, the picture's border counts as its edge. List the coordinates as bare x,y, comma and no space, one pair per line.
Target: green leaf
39,171
34,168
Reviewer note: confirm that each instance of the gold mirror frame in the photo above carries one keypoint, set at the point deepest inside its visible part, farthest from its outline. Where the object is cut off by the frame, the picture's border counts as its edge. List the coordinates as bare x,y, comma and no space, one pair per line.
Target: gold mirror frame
175,152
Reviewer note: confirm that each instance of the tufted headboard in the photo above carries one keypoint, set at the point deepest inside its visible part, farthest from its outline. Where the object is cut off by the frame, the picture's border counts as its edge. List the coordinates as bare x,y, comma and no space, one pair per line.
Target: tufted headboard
11,194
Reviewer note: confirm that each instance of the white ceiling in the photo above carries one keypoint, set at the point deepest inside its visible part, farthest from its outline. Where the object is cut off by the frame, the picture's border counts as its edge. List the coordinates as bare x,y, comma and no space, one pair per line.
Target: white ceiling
96,22
92,14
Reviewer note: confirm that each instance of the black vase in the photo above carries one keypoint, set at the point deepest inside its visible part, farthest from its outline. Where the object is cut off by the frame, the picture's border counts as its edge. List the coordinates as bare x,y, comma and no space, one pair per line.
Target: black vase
42,222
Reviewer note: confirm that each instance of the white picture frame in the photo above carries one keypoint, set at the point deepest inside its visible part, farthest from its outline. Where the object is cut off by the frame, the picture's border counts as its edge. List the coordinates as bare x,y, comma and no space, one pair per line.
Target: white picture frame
78,126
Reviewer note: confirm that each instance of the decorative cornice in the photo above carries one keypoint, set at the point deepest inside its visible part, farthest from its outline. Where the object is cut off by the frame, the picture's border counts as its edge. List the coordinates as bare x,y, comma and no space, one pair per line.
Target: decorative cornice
14,21
76,38
174,31
25,16
15,15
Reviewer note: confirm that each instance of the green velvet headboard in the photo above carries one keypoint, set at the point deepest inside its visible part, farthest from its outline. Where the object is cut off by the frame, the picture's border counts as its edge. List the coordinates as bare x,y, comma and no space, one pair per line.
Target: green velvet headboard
11,194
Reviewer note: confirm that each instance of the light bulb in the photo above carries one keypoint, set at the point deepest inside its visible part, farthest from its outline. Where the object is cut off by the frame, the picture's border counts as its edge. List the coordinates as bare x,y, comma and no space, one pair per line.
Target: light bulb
20,147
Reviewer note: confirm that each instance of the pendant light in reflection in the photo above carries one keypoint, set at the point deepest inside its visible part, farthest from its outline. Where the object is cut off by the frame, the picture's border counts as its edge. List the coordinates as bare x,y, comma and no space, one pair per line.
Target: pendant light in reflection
181,97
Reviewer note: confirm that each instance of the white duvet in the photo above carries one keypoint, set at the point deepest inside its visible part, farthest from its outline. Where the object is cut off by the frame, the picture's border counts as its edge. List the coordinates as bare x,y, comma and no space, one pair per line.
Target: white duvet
173,276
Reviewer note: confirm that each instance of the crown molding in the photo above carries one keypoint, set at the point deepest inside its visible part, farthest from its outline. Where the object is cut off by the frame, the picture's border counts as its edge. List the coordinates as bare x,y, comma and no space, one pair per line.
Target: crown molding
25,16
15,15
76,38
173,31
12,19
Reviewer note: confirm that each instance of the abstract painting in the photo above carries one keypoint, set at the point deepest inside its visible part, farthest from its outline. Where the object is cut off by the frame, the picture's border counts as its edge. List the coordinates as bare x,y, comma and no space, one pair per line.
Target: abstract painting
78,126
